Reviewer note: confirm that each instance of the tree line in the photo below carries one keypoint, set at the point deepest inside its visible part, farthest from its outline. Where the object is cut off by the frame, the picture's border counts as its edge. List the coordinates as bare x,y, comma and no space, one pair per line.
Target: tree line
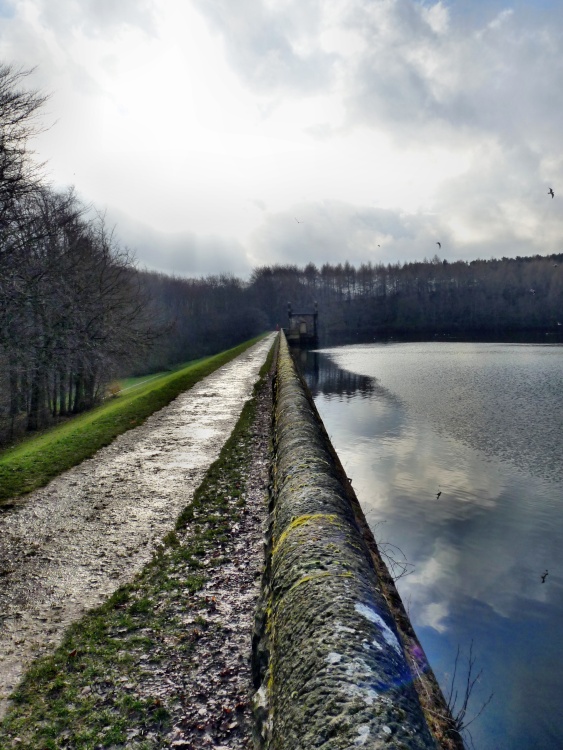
75,312
72,310
480,297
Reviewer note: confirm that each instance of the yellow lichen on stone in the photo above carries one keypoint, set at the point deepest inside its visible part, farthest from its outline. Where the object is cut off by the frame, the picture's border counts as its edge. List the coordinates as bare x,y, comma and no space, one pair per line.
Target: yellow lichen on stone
297,522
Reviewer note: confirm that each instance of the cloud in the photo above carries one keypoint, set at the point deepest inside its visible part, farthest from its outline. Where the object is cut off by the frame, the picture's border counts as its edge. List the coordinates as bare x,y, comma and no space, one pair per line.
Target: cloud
499,206
95,17
179,253
336,231
7,9
390,123
421,72
66,41
481,87
273,47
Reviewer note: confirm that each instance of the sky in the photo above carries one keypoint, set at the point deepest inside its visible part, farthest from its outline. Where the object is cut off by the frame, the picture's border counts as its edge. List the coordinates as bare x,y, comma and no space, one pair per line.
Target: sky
223,135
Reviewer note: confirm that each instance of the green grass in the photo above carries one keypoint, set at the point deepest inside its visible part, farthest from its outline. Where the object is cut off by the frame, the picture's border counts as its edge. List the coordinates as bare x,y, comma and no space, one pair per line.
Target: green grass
127,384
89,693
37,460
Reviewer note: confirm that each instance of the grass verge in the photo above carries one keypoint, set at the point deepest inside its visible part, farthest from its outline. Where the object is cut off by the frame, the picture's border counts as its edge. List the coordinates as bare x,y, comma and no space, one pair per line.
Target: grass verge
36,461
95,690
126,384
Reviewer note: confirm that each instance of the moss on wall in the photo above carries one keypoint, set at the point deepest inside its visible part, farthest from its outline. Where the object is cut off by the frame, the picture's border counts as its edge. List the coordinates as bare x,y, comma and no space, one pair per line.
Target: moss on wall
329,663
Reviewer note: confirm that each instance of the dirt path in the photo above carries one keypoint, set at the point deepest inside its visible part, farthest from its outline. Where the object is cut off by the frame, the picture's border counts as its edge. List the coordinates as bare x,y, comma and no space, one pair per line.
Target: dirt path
68,546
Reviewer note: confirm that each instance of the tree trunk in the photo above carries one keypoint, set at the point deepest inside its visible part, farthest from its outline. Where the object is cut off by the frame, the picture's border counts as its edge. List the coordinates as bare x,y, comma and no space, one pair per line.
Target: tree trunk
55,392
62,394
79,404
14,396
70,384
37,412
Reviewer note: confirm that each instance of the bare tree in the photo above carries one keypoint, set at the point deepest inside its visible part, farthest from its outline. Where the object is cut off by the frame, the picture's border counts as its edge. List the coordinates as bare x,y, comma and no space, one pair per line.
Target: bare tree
72,309
19,110
458,708
19,177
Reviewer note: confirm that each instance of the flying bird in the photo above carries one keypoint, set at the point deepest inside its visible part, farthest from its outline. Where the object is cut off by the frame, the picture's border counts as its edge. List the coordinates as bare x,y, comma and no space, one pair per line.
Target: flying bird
297,220
544,576
439,245
550,192
438,495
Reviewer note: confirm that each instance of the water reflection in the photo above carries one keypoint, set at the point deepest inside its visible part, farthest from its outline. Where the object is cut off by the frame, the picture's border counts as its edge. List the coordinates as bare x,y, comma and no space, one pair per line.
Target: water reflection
409,421
330,379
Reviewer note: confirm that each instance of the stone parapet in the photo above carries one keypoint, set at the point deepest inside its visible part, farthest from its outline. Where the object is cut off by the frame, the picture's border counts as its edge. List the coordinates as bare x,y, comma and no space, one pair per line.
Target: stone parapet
329,662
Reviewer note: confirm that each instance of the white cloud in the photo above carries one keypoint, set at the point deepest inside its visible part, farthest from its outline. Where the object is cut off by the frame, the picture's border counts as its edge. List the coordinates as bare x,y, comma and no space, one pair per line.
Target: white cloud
343,232
272,45
179,253
94,18
393,119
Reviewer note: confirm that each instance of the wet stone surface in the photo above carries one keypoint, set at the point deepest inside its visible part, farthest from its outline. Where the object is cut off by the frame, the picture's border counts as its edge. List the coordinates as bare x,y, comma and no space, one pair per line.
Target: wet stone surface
335,673
67,547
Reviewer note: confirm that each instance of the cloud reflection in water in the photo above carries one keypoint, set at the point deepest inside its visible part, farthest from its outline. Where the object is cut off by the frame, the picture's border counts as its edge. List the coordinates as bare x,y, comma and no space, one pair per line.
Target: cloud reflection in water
403,434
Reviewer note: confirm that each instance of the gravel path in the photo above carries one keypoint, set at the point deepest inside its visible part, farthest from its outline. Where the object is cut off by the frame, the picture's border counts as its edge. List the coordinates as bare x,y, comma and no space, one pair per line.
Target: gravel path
68,546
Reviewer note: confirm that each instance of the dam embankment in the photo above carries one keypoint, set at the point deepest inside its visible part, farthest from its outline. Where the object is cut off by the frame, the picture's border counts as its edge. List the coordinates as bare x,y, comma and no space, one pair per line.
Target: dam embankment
336,662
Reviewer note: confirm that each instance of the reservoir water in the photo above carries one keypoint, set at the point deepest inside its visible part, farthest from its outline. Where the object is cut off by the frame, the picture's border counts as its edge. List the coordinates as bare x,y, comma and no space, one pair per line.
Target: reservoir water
482,424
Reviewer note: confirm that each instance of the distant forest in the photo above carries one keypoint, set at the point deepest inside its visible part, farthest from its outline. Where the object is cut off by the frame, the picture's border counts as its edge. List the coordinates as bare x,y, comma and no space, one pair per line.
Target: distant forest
75,312
476,298
424,298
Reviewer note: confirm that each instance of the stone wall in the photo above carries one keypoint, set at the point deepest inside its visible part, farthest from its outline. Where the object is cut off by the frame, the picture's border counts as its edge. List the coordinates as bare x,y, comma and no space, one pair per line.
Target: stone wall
332,661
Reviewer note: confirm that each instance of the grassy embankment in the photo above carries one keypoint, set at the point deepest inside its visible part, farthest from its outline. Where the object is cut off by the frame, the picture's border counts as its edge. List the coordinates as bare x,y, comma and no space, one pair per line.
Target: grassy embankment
38,459
90,693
